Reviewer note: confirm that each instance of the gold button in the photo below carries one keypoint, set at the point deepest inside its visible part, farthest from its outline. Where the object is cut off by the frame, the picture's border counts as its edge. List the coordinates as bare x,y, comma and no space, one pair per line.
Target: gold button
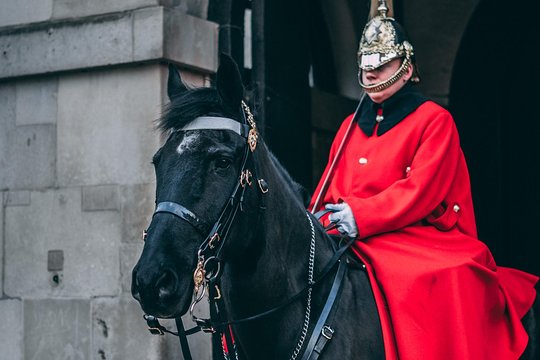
362,161
456,208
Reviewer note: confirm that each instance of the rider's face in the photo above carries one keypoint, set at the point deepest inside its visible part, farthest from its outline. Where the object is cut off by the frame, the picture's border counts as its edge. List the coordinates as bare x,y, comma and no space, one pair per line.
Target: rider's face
383,73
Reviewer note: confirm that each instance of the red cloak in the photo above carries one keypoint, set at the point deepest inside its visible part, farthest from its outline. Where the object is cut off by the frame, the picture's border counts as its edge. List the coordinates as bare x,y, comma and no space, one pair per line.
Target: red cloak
439,292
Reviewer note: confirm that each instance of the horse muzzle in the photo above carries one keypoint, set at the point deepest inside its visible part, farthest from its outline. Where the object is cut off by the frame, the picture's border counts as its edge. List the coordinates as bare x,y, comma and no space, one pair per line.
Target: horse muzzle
159,293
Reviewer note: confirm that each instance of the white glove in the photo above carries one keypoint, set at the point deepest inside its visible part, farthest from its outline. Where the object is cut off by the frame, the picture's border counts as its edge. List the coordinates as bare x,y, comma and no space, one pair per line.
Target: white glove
343,217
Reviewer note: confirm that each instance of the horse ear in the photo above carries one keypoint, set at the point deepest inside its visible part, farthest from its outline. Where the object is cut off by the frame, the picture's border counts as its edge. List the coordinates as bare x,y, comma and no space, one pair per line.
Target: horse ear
229,82
175,86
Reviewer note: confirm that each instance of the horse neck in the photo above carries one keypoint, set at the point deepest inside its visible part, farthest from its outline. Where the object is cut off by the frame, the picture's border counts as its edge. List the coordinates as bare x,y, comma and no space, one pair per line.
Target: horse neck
286,234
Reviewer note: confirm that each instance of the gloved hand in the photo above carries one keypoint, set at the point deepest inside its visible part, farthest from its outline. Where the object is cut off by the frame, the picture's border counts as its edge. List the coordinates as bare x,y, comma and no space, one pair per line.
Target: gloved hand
343,217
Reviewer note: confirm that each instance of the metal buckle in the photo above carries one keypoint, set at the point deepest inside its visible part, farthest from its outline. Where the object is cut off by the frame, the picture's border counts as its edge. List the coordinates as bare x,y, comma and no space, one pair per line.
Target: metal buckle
327,332
213,239
156,331
154,326
205,325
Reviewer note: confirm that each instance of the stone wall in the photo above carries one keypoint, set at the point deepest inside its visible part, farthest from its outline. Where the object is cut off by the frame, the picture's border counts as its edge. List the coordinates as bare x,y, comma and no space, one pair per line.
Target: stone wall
80,85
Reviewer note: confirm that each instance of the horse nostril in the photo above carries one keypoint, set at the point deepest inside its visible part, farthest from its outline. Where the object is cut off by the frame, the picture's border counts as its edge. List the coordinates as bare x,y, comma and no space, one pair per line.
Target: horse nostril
166,284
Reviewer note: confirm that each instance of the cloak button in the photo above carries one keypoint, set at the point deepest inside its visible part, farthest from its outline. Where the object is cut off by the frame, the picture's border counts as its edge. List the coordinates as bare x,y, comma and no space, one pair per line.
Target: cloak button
456,208
362,161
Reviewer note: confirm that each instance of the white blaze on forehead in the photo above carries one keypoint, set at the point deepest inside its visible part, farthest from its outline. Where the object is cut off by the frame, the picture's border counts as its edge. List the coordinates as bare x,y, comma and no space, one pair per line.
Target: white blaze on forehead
187,142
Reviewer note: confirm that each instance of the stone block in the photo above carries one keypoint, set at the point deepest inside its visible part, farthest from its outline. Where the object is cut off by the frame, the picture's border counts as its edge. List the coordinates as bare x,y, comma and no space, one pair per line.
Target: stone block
15,12
198,8
11,329
129,255
55,221
7,125
80,8
1,250
101,197
105,126
36,101
137,209
57,329
29,158
16,198
120,332
190,41
147,34
66,46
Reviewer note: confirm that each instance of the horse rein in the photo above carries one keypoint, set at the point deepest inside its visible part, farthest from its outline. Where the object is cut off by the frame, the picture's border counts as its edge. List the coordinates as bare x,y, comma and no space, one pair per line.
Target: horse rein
208,269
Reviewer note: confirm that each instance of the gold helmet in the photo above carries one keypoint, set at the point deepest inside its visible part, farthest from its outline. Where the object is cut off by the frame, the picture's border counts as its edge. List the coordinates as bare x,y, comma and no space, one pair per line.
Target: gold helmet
384,40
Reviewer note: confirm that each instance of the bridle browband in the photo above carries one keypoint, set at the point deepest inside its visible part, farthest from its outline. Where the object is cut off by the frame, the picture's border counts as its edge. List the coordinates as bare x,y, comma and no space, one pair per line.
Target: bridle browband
209,255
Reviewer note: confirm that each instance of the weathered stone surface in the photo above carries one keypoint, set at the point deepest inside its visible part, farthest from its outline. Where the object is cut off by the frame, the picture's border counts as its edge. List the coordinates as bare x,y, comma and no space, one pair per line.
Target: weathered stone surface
11,329
29,159
66,46
1,247
198,8
154,33
14,12
101,197
54,221
36,101
137,208
129,255
190,41
120,332
105,126
79,8
7,125
17,198
57,329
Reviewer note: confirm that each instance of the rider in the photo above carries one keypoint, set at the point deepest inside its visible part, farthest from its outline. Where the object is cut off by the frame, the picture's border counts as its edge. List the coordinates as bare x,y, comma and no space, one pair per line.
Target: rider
400,185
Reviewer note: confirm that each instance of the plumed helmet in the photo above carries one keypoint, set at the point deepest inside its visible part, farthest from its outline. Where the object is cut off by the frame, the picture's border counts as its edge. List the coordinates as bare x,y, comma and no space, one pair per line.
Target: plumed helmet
384,40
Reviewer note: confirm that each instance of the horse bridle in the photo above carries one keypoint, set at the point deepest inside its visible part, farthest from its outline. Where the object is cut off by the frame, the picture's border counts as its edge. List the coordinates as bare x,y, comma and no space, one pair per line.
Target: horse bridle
208,269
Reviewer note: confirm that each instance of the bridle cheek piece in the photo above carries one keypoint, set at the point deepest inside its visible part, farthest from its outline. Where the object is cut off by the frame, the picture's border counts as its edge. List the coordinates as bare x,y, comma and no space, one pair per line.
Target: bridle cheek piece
208,268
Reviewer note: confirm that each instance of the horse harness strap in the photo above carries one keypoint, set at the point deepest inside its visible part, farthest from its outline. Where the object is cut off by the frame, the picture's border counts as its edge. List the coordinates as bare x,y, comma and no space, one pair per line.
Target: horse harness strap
323,332
183,213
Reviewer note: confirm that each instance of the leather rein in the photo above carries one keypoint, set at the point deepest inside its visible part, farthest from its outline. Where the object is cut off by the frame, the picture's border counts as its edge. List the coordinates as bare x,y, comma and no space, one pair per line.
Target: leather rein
208,270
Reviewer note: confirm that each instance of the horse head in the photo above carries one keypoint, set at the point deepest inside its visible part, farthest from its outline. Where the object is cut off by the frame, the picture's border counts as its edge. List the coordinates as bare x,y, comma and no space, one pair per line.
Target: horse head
197,191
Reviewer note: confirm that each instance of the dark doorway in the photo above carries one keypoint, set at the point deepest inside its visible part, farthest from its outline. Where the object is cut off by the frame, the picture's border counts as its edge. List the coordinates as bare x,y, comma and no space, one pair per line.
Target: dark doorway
494,98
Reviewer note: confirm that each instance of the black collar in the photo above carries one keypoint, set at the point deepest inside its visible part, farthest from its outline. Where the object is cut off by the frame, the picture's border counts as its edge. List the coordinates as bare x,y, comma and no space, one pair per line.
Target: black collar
395,109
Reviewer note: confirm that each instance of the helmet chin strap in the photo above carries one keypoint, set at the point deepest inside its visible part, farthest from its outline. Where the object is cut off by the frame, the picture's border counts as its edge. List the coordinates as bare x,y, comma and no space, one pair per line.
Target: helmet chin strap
373,88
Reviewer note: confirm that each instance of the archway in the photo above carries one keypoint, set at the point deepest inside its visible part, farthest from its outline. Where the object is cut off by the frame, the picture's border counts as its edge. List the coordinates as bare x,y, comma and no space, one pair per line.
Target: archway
493,96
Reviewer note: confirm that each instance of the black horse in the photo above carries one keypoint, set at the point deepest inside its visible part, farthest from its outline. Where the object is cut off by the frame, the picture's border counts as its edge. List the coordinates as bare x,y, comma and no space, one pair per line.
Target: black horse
264,252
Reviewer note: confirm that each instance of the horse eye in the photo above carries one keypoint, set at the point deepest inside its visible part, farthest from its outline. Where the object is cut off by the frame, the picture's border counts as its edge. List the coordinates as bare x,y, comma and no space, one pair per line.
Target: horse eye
223,163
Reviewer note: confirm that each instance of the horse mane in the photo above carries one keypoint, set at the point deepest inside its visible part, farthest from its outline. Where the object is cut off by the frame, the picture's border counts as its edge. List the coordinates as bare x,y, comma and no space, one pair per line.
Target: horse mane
300,191
190,104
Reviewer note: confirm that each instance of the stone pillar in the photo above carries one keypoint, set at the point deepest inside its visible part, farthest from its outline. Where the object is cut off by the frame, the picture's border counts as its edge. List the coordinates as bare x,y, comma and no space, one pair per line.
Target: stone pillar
80,85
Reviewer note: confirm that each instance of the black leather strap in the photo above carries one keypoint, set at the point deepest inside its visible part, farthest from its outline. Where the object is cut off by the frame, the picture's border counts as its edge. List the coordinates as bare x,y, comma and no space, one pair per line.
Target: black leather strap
322,331
183,339
184,214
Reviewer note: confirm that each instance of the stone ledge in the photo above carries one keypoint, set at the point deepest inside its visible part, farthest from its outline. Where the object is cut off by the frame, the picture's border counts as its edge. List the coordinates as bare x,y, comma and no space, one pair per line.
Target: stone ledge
145,35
